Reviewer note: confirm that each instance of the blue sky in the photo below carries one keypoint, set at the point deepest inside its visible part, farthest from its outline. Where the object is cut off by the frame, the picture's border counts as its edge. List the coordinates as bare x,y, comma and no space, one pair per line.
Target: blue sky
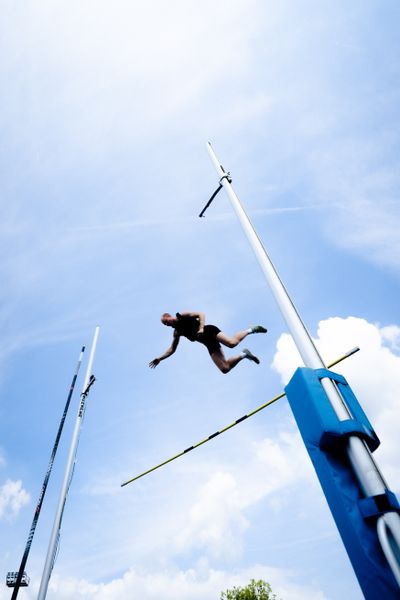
105,114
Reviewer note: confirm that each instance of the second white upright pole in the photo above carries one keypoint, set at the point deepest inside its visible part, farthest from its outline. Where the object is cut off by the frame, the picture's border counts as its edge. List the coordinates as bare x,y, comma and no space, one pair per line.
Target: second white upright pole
67,476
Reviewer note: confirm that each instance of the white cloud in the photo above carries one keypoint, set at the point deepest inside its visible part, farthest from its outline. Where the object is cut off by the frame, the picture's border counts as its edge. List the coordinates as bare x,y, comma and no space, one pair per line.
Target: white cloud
106,76
198,583
285,461
12,498
216,521
391,335
373,373
364,193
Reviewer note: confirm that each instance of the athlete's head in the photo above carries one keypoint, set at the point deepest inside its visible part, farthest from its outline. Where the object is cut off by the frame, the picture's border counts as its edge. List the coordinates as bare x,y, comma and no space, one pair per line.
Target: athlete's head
167,319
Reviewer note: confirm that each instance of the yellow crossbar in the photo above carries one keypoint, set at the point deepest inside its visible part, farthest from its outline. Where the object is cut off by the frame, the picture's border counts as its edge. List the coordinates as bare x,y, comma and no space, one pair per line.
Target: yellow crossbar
213,435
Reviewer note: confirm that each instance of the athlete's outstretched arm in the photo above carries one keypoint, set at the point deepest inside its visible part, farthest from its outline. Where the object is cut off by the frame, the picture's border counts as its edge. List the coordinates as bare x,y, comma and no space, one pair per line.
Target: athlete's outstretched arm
167,353
201,316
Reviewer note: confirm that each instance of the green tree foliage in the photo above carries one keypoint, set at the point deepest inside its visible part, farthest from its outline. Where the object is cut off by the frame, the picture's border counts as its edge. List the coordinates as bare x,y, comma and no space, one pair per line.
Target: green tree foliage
256,590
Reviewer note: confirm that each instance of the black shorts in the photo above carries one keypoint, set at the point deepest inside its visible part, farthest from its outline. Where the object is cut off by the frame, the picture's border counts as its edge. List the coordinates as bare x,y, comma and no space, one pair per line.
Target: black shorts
209,338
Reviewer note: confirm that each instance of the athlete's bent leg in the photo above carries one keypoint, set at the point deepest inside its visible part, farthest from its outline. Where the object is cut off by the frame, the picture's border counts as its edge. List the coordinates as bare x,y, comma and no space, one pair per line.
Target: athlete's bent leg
225,364
232,341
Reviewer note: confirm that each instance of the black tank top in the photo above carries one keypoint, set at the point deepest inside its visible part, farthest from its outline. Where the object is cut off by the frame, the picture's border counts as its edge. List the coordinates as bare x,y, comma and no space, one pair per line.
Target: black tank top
187,326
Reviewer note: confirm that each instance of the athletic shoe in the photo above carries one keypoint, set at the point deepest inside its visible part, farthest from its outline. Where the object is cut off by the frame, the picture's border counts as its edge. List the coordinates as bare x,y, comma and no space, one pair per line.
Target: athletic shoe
251,356
258,329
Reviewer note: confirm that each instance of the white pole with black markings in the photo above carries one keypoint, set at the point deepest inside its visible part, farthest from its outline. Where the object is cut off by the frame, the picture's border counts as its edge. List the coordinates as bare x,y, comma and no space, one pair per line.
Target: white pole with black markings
52,549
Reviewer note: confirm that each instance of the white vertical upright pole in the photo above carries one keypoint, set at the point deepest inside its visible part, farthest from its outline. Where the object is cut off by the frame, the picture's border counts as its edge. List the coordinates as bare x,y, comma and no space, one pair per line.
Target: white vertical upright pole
67,476
366,470
45,482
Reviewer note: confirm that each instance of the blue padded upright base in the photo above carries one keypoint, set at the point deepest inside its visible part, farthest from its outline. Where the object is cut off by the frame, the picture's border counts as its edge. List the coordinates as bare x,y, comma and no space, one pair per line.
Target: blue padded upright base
325,438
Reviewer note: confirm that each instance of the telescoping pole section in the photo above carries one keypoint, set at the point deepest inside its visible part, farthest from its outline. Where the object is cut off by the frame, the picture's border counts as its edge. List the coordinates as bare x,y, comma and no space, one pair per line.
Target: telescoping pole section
89,379
46,480
364,468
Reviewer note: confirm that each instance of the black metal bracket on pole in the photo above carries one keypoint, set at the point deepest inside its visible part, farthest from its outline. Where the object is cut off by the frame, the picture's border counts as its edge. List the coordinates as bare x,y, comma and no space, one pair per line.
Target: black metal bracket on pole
84,395
89,385
227,176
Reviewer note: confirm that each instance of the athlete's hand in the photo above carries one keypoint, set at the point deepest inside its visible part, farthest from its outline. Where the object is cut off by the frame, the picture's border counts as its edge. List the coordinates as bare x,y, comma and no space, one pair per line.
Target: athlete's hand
200,333
154,363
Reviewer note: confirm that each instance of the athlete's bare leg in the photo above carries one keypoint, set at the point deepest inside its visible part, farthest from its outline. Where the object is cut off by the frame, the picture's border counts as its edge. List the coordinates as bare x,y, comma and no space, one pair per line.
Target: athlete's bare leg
232,341
225,364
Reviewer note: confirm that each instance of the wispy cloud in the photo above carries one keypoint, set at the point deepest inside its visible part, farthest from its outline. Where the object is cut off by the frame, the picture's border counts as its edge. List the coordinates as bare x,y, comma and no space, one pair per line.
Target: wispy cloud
177,222
13,497
198,583
217,520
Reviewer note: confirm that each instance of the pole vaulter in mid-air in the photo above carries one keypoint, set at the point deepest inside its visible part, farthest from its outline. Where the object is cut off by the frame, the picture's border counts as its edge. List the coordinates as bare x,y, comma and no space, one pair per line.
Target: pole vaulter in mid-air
192,326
